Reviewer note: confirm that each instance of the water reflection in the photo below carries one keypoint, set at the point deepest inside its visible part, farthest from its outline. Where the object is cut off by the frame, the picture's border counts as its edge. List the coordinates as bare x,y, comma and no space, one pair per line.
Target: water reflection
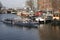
49,32
43,32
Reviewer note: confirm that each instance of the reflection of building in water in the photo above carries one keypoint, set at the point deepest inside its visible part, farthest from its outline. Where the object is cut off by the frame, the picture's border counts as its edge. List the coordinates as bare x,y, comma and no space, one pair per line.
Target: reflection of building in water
48,32
57,28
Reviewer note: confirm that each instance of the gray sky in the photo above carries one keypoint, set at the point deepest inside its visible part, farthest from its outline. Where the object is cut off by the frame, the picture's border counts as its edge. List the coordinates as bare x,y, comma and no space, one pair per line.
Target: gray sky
13,3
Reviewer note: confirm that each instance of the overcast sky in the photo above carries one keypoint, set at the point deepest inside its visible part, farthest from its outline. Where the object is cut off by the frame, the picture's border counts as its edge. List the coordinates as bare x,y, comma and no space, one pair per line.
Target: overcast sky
13,3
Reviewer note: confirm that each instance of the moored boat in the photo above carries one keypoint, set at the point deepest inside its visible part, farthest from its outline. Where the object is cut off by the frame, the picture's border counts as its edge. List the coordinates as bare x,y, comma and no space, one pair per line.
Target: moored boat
25,23
8,21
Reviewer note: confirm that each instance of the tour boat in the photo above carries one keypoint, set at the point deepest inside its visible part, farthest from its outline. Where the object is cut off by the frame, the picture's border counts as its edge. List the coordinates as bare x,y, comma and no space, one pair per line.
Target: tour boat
26,23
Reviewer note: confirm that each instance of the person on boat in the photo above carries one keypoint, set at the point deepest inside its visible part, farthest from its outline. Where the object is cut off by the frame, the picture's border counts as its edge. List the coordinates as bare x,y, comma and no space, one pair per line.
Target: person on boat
39,21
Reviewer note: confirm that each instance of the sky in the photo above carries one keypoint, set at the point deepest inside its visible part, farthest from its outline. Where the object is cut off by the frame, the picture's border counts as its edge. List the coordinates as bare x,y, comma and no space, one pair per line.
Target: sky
13,3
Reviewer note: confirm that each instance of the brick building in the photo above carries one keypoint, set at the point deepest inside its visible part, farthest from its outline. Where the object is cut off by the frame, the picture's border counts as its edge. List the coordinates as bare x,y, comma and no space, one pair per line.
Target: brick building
48,4
44,4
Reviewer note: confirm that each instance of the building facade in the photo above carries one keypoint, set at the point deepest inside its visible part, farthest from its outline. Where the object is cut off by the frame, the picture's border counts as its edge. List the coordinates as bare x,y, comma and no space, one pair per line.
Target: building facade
56,4
48,4
44,4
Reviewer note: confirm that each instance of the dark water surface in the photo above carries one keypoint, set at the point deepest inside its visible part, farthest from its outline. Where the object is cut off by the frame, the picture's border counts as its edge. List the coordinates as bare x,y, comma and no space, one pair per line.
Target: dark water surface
43,32
8,32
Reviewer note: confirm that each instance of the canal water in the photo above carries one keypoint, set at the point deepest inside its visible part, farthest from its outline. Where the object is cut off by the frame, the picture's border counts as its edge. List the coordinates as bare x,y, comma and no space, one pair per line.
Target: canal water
11,32
43,32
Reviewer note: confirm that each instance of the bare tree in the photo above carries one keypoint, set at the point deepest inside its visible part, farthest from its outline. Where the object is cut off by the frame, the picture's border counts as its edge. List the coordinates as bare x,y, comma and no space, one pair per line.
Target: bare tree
0,5
30,4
